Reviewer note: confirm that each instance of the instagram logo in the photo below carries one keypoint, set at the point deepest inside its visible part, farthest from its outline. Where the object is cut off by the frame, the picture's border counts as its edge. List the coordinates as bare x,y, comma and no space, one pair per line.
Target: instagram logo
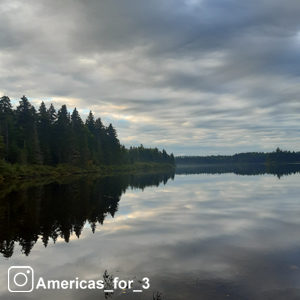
20,279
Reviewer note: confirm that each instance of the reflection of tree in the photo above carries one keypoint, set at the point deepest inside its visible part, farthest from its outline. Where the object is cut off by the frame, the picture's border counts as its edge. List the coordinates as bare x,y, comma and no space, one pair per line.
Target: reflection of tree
59,210
108,280
157,296
240,169
108,283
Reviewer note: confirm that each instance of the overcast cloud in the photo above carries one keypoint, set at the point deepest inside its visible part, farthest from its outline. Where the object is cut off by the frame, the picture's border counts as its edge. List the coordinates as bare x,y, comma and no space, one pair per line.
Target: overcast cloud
194,77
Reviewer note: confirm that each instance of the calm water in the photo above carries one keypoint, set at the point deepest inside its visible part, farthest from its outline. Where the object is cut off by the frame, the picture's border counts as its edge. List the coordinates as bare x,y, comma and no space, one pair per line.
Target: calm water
197,236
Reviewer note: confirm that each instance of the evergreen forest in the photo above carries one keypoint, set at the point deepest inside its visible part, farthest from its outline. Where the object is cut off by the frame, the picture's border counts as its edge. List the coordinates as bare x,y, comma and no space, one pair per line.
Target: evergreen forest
47,136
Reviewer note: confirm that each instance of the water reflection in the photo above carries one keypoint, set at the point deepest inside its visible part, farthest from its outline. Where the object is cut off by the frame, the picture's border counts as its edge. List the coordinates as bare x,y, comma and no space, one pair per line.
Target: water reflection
243,169
197,237
60,209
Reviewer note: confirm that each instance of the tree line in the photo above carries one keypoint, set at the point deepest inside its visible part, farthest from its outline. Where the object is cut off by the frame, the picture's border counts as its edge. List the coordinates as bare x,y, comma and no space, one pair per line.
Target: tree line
278,170
277,156
49,137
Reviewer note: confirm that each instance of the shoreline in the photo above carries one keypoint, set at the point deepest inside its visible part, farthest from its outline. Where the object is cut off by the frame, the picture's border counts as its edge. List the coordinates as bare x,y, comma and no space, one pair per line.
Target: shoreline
16,172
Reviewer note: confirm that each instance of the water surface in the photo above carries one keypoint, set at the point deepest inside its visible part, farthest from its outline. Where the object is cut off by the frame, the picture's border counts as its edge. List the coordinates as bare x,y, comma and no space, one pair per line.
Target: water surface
197,236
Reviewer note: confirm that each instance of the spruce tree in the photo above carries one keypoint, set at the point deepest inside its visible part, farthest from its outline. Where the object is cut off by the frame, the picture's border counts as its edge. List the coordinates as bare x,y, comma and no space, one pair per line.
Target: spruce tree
80,151
28,138
90,122
44,133
63,133
7,129
51,138
91,138
100,142
52,133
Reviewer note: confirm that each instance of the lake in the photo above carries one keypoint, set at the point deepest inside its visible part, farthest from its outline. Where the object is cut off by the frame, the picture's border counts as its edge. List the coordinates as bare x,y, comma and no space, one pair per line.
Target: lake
198,234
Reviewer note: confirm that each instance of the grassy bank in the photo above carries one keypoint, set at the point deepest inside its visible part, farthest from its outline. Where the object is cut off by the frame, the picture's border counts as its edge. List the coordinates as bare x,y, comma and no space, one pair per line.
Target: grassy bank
19,172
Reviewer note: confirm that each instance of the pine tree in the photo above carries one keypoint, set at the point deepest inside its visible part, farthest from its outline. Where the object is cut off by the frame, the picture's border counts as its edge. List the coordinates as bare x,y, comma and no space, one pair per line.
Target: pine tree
28,137
79,140
52,114
44,133
63,133
52,133
113,144
100,142
91,139
7,128
55,138
90,122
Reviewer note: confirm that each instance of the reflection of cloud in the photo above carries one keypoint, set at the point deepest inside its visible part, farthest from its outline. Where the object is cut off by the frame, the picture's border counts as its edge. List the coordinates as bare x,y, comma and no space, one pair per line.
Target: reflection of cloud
194,70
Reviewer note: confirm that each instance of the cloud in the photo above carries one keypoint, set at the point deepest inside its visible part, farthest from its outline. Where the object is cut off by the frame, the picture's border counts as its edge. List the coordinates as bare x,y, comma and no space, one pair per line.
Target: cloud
206,76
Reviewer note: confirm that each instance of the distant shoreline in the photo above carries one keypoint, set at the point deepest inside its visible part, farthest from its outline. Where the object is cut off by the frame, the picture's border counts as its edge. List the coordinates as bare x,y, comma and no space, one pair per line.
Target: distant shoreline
278,169
269,158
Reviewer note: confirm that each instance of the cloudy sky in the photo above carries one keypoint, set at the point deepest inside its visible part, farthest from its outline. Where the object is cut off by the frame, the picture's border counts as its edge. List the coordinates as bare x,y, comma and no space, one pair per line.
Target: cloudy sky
191,76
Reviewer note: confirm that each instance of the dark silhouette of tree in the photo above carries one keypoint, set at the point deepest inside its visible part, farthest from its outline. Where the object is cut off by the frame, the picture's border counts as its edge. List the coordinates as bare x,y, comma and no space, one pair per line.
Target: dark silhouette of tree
52,134
52,114
142,154
80,153
8,129
50,138
278,156
44,130
90,122
63,135
100,142
113,151
6,121
28,141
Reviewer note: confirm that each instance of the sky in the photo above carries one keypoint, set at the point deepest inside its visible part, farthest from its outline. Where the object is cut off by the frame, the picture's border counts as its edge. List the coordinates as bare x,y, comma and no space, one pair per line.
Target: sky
191,76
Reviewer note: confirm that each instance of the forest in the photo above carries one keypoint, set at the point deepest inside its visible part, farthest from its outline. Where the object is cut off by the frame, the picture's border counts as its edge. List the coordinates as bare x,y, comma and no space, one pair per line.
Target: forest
51,137
275,157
